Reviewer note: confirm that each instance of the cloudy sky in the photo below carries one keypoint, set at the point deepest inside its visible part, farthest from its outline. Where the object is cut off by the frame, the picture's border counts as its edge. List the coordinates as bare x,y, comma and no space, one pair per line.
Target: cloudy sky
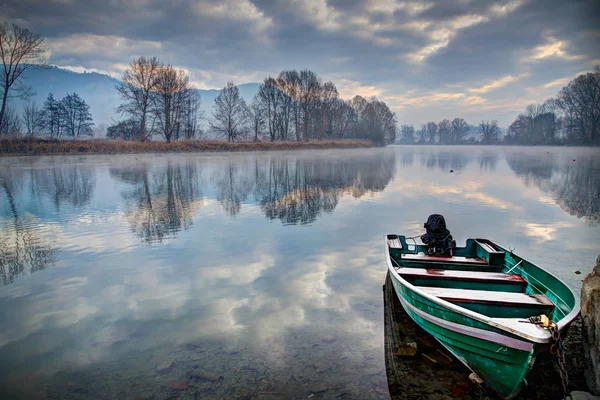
428,60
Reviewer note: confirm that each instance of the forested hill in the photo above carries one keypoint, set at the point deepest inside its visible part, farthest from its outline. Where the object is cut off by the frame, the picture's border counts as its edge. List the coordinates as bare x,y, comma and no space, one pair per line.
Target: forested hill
99,91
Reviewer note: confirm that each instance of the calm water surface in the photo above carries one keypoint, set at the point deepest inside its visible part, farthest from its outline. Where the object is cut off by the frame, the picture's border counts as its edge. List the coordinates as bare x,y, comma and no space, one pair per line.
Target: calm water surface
254,275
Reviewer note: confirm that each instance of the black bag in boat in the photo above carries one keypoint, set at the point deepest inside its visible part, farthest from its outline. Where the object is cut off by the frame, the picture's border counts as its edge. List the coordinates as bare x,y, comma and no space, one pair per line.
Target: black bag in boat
438,238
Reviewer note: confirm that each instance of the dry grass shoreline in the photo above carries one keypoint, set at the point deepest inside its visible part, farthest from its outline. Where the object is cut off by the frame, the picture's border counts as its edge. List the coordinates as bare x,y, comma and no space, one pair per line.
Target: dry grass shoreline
35,146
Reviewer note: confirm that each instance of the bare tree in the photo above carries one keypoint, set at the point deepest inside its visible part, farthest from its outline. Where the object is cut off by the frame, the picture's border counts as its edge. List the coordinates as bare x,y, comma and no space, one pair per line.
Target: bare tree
431,129
77,116
11,124
407,133
33,118
422,133
139,80
490,132
460,128
328,100
257,118
268,102
310,86
230,114
20,49
170,97
343,118
580,102
192,115
444,130
288,85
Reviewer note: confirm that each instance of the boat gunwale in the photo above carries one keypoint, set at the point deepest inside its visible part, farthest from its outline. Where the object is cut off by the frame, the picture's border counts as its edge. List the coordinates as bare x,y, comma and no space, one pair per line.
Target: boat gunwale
499,323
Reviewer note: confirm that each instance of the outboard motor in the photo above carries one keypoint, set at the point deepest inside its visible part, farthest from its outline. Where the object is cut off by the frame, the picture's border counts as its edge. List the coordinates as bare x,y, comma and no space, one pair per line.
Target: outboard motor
438,238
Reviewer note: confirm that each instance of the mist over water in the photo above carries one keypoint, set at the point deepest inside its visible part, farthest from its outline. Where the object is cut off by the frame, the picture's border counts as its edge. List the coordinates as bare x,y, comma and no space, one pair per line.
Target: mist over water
251,273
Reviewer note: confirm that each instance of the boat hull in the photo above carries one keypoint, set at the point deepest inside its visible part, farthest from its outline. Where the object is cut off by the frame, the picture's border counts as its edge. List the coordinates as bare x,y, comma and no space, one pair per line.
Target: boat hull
502,360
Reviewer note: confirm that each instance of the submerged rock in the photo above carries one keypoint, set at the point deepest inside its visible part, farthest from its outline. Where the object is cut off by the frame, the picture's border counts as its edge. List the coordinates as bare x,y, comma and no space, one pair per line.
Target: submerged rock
165,366
179,385
407,349
207,376
590,314
577,395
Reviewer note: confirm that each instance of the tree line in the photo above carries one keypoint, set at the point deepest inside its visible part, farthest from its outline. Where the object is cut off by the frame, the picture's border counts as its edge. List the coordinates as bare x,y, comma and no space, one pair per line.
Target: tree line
572,117
444,132
296,105
68,117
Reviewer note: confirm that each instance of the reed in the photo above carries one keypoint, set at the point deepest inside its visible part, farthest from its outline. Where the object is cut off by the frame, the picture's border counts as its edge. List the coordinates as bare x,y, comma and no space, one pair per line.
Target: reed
38,146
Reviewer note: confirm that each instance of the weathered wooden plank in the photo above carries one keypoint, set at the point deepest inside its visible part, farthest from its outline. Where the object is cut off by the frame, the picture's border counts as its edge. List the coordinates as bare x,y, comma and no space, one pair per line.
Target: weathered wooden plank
487,297
492,277
444,259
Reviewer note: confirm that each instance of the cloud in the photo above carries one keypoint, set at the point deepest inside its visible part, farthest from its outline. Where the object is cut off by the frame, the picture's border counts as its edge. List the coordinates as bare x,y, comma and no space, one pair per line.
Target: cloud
558,82
380,47
441,37
89,44
551,48
498,83
348,89
445,31
236,10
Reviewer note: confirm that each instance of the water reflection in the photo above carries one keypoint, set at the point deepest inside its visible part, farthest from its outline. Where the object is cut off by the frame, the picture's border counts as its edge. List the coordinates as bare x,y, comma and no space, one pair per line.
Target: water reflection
429,372
162,200
297,191
70,185
488,160
572,181
150,290
25,246
446,160
233,184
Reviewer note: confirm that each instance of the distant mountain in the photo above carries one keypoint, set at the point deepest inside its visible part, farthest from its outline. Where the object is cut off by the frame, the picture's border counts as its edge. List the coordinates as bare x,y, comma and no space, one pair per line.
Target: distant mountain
99,91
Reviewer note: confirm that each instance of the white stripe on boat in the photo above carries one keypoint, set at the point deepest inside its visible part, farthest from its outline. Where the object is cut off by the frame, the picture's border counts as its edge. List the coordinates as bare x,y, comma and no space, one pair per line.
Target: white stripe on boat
471,331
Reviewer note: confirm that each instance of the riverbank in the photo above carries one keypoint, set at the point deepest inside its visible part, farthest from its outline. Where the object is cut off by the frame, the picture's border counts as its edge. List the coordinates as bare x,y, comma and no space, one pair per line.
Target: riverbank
29,146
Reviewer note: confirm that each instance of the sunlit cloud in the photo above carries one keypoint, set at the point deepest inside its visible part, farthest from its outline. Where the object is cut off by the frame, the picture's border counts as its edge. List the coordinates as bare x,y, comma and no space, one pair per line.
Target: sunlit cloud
475,100
320,13
348,89
543,232
506,8
552,48
558,82
82,44
446,31
498,83
237,10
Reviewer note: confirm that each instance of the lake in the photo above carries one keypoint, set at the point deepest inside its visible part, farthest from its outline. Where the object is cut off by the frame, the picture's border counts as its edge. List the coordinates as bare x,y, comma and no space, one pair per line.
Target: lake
251,275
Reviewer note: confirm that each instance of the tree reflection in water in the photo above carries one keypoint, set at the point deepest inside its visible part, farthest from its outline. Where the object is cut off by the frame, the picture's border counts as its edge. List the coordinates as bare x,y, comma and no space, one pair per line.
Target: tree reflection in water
163,199
297,190
445,160
71,185
573,183
26,245
488,161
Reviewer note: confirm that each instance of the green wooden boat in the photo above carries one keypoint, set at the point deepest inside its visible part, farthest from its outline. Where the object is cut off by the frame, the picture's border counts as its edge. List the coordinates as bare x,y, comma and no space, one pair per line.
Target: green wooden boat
477,302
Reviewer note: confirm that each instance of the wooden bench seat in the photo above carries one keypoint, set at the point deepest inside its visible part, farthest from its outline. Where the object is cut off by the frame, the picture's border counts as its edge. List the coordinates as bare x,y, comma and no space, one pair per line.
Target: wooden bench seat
491,298
457,275
444,259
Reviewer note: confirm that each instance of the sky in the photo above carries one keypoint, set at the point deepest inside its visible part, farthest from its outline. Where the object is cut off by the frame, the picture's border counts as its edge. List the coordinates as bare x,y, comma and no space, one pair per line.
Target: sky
427,60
